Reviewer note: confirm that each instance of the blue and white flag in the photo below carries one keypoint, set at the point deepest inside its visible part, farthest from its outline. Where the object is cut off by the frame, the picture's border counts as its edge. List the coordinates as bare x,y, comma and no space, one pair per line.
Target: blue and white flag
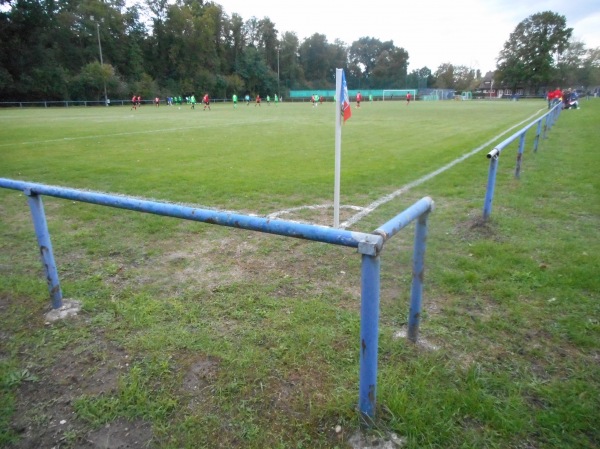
345,99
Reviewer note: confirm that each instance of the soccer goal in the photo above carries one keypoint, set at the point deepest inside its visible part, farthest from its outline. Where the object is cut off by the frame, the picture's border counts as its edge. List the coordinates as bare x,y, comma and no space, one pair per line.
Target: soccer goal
398,94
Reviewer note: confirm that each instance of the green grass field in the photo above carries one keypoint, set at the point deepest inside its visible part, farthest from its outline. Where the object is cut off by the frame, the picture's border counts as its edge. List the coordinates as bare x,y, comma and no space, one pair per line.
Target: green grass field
254,159
195,336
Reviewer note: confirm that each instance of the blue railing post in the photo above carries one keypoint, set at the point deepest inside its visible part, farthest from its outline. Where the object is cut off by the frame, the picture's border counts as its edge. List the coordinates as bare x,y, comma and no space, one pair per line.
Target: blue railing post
418,276
553,115
538,131
369,334
520,155
418,212
43,237
493,155
489,193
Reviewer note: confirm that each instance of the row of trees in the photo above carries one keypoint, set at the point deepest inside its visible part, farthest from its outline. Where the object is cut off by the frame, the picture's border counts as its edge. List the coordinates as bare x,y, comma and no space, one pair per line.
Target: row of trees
53,49
540,53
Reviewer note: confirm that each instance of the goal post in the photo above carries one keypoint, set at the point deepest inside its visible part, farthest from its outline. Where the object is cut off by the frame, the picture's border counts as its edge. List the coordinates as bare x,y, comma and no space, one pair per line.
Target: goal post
398,94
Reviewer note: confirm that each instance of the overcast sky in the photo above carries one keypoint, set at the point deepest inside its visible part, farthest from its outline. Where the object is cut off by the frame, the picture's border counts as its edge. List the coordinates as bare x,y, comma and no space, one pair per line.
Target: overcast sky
433,32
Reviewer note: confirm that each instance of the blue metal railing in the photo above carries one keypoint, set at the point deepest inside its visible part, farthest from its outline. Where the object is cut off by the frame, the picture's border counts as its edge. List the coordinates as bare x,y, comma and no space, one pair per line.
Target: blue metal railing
368,245
551,116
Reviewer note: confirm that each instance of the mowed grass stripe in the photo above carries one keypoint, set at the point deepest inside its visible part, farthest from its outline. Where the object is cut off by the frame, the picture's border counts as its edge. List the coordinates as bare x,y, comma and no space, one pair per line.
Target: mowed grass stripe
248,157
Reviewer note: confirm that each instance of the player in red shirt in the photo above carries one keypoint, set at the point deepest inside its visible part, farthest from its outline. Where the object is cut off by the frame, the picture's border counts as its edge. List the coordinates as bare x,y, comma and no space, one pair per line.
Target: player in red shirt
408,98
557,96
257,100
206,101
358,99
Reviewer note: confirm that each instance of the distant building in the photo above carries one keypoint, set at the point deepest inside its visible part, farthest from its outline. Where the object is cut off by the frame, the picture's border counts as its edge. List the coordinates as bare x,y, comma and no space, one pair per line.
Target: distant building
486,88
490,88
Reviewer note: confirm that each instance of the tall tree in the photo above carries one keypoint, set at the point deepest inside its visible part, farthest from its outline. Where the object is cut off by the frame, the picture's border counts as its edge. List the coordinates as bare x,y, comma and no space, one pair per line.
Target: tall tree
134,64
255,73
571,64
530,55
314,58
49,50
364,54
267,42
158,43
444,76
590,75
234,41
390,69
290,71
420,78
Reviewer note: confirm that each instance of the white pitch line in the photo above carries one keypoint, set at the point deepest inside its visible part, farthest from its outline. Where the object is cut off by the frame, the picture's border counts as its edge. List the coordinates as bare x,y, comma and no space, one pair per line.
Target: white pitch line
364,211
375,204
131,133
98,136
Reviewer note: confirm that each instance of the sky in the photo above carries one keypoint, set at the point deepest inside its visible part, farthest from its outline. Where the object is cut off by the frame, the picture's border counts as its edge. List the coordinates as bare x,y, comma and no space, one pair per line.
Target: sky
433,32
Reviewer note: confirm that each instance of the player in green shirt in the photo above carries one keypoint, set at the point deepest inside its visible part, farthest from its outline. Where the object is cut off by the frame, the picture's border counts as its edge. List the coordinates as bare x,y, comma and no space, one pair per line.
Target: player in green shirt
234,99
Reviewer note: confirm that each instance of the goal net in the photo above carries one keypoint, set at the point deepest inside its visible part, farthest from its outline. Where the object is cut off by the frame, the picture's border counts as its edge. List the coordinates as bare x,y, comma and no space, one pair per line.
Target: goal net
398,94
436,94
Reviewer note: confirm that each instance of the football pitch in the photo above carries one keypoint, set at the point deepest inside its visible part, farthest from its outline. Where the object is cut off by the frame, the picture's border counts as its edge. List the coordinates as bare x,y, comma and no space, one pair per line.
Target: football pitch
260,160
192,335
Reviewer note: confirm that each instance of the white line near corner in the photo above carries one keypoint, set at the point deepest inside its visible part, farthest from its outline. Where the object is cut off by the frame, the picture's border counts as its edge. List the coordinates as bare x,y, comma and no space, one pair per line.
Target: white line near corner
375,204
364,211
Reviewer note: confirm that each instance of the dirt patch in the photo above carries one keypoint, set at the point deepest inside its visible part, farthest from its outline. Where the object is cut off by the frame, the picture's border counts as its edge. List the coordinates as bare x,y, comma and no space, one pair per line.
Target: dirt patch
45,415
45,418
198,379
120,434
477,227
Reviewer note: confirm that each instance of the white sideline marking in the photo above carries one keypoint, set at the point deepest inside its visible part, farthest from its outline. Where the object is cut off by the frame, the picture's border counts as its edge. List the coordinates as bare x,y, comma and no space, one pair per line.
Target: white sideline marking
375,204
99,136
131,133
364,211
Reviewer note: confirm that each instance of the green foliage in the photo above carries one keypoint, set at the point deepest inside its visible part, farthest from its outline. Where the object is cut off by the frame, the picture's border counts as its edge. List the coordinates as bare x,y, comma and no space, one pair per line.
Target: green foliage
15,378
188,47
377,64
527,58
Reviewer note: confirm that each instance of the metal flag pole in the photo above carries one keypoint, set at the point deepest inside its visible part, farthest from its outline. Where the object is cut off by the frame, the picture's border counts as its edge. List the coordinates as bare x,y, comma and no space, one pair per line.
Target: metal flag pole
338,148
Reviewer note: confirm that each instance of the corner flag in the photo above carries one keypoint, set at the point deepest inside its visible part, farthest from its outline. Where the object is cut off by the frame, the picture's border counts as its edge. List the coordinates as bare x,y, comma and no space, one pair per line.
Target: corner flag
345,99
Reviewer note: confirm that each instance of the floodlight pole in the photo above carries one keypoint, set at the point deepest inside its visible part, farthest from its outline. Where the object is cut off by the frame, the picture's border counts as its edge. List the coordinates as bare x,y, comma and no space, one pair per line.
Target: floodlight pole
101,63
278,92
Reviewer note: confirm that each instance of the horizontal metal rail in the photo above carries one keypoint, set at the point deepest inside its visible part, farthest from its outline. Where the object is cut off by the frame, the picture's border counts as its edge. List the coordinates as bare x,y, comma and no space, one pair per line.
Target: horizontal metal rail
551,116
368,245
